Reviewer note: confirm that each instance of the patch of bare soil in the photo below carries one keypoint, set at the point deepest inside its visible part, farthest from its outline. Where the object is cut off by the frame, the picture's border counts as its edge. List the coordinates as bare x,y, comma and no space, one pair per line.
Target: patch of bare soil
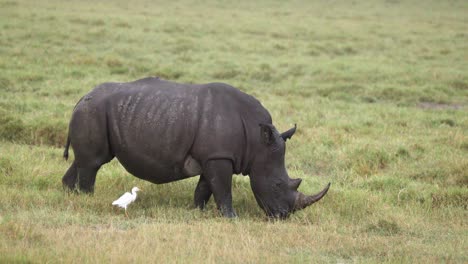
439,106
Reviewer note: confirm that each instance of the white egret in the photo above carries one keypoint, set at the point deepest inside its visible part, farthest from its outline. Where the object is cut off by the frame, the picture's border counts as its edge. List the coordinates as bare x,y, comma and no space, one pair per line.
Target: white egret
126,199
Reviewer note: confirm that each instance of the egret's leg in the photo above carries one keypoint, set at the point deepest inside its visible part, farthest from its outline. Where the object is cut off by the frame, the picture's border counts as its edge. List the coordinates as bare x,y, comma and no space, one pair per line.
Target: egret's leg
126,214
218,173
202,193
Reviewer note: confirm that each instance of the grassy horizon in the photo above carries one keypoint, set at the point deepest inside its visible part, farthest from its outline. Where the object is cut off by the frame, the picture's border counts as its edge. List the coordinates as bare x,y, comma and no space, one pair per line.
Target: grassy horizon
379,91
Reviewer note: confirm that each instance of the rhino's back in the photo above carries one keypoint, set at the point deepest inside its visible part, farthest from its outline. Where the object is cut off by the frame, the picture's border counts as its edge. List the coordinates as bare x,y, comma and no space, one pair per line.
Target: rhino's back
155,126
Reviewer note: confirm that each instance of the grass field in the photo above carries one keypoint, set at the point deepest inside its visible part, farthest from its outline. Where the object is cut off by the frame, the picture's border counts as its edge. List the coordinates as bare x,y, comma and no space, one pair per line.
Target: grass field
379,90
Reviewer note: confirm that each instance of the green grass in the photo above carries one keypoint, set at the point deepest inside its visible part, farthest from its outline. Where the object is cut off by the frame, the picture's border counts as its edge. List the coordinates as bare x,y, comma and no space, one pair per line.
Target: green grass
379,90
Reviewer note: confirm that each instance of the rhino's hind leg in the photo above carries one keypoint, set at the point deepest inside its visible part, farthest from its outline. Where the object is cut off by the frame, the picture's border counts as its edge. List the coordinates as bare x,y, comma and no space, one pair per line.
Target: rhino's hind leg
218,174
202,193
70,178
89,138
80,178
87,178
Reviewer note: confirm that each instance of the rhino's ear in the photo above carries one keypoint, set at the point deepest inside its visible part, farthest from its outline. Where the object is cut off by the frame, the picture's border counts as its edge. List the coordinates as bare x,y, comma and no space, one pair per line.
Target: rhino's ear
267,133
288,134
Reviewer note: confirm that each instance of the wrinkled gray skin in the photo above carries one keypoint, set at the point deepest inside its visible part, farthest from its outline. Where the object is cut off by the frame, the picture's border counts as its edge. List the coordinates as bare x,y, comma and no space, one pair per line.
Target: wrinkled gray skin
162,131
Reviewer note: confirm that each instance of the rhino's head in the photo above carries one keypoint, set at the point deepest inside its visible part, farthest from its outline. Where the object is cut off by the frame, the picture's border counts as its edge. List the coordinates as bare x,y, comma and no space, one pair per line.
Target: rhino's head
274,191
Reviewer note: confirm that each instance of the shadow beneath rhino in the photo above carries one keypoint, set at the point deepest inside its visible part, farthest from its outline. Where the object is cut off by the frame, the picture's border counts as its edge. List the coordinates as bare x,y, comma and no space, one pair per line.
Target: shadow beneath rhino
177,198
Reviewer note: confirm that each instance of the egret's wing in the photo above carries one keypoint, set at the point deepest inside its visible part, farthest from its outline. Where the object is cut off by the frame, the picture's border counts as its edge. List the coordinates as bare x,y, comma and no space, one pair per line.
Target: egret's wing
126,198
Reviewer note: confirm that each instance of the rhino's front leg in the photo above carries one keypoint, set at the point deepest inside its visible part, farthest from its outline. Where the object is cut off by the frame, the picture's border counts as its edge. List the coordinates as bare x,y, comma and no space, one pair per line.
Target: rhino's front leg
202,193
218,173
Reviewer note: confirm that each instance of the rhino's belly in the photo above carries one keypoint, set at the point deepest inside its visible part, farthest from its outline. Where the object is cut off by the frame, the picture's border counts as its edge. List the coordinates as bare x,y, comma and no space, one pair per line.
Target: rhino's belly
161,172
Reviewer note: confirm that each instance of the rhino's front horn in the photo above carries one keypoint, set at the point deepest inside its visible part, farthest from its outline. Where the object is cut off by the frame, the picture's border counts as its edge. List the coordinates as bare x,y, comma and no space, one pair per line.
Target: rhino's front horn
302,201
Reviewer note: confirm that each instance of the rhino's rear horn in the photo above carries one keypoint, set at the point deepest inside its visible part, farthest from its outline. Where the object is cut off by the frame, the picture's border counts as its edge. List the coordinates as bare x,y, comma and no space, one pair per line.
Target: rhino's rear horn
302,201
288,134
294,183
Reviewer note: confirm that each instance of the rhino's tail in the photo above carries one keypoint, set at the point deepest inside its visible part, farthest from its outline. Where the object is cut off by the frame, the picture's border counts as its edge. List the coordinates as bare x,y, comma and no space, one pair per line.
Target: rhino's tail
67,146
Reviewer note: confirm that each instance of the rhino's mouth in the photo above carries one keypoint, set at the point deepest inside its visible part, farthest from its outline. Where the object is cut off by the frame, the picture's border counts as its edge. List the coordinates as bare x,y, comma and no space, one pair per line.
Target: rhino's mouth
279,215
277,212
